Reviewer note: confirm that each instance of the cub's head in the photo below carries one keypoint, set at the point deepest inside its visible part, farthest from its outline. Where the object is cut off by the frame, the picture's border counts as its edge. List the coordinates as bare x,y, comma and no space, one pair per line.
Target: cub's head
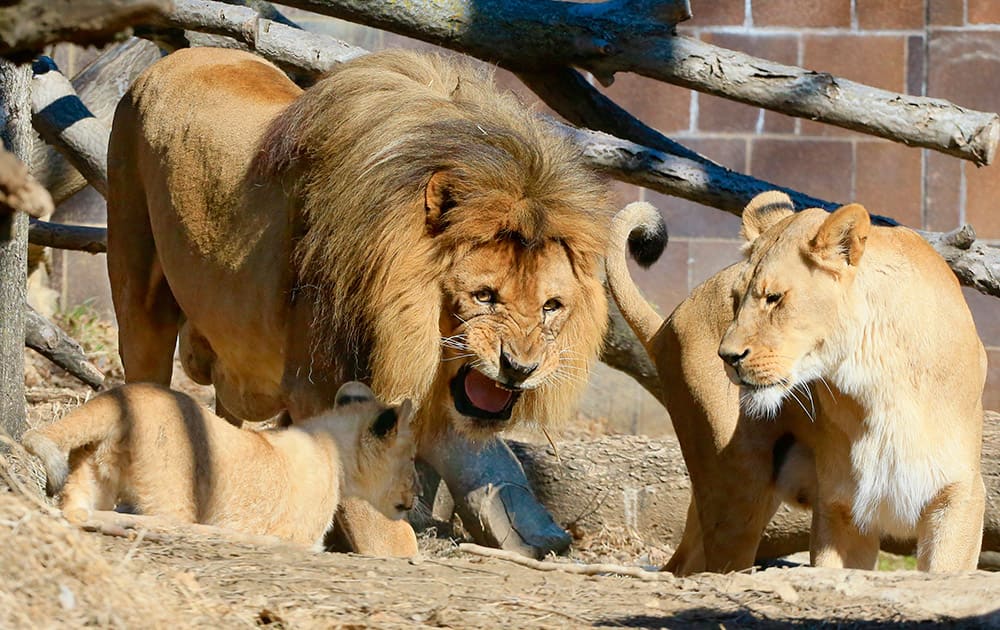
793,300
377,448
523,312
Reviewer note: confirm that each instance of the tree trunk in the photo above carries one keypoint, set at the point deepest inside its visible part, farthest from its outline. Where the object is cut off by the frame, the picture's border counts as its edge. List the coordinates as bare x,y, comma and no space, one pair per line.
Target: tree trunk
642,483
15,114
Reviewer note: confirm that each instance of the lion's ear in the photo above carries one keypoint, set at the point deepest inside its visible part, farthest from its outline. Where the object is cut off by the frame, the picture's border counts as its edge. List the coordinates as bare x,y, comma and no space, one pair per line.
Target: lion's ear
842,237
763,211
353,392
439,198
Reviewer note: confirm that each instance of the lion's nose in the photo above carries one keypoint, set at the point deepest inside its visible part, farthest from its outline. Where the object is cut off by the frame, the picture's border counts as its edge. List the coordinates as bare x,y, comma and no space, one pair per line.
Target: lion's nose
733,357
514,372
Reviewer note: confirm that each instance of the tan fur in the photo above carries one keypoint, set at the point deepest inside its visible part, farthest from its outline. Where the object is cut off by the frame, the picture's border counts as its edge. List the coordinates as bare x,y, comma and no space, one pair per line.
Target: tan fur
868,326
345,229
160,452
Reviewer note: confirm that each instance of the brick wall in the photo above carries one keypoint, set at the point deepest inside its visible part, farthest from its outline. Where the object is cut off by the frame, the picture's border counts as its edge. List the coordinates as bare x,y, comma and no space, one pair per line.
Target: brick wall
940,48
943,48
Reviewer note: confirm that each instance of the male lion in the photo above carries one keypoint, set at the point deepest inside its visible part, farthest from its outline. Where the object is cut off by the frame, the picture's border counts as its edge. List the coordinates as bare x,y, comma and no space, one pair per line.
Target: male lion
867,329
165,455
401,222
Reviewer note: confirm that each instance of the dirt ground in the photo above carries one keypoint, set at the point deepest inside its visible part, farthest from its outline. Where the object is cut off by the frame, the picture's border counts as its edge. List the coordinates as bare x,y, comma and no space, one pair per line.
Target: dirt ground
154,576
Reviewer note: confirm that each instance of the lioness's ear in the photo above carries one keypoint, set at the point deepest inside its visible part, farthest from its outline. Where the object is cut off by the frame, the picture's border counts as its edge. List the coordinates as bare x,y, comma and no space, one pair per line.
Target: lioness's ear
841,239
439,198
353,392
763,211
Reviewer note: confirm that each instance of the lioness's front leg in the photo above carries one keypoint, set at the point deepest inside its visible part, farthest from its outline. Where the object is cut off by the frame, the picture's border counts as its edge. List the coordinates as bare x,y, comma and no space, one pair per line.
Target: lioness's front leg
837,542
950,532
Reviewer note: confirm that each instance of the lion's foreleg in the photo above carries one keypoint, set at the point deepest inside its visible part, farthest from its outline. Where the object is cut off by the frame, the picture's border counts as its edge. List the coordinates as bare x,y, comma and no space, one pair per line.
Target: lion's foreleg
492,494
950,532
837,542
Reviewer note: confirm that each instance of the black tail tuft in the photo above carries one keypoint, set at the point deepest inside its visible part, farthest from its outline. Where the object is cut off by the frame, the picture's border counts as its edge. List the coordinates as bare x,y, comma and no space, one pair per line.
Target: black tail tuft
646,243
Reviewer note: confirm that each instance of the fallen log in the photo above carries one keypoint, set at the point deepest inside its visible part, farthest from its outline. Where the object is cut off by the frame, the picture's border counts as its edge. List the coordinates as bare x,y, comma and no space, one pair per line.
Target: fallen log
642,483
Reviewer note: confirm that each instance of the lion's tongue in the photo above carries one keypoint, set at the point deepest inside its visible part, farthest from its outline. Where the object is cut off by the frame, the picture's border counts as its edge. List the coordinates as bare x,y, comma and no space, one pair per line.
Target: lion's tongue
485,393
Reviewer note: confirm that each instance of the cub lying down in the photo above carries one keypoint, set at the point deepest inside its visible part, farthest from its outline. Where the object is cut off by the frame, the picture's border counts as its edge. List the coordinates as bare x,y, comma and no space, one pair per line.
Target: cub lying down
161,452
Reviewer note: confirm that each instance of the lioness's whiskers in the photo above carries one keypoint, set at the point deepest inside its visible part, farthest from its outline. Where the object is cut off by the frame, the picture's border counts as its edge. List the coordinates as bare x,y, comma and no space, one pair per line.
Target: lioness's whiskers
791,392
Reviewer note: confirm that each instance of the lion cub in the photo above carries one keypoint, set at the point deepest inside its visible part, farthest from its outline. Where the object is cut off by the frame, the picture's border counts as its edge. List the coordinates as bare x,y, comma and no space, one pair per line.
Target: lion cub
161,452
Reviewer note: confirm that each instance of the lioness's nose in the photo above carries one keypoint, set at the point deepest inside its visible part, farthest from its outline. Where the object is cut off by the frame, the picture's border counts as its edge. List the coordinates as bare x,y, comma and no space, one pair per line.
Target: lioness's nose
733,357
515,372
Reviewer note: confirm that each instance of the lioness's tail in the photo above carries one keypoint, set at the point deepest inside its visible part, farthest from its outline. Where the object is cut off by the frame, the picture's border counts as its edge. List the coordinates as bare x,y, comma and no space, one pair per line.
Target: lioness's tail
96,421
640,226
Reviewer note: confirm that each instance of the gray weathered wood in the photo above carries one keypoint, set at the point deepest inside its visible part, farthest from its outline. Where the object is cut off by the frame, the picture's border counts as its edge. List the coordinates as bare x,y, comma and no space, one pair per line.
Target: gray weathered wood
642,483
623,36
15,113
100,86
50,341
65,123
26,26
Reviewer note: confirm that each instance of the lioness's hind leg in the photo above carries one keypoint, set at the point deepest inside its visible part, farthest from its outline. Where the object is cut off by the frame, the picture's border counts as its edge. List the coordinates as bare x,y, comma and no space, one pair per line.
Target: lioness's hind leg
950,532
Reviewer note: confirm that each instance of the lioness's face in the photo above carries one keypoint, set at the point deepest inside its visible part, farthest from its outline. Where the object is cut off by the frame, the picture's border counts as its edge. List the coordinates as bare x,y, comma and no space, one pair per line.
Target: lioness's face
505,305
787,309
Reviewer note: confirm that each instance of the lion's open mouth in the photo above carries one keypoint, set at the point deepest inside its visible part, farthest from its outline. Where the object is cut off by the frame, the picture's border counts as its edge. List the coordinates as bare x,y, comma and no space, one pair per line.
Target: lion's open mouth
478,396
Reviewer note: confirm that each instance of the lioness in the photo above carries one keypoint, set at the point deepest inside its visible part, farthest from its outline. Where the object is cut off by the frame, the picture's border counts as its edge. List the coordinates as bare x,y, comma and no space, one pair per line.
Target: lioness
401,222
162,453
867,330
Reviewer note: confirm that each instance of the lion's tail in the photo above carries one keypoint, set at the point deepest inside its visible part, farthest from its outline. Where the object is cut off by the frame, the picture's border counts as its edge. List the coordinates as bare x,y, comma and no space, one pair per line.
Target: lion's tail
97,421
639,226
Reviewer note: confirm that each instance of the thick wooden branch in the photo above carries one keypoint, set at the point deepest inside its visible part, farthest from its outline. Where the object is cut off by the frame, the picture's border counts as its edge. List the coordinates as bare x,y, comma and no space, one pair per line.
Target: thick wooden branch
50,341
100,86
26,26
83,238
64,122
622,36
19,191
642,483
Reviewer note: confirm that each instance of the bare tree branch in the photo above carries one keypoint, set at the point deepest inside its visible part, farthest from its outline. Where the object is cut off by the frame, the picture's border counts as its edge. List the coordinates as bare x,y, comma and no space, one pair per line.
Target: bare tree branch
26,26
50,341
65,123
100,86
82,238
623,36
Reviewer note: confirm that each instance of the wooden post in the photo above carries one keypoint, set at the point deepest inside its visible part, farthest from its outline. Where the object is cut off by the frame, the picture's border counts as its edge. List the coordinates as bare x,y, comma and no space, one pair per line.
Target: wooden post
15,117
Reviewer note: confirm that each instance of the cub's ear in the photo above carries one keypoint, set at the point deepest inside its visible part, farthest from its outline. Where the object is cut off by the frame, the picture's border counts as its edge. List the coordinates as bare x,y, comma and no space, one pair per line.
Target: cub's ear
439,198
841,239
353,392
393,420
763,211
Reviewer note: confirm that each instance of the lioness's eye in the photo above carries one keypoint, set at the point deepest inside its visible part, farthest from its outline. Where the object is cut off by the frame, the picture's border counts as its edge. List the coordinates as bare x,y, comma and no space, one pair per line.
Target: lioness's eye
485,296
552,306
773,298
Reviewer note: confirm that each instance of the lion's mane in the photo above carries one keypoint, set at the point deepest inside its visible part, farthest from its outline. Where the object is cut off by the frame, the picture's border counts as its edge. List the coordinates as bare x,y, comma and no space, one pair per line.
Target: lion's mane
360,147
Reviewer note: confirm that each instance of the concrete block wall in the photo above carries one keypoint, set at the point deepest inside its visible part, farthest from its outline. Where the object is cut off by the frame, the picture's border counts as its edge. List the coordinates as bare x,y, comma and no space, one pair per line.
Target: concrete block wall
940,48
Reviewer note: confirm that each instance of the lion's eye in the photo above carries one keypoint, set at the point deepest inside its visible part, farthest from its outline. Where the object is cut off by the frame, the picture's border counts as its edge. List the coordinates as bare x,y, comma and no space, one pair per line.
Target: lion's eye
772,298
551,306
485,296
